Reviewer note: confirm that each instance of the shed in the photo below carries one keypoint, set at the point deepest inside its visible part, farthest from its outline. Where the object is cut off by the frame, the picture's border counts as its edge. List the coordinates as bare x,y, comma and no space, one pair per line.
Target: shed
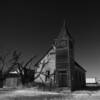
13,78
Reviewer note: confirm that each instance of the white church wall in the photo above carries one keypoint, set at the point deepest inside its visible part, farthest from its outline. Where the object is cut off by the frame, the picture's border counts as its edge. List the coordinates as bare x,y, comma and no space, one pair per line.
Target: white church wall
49,59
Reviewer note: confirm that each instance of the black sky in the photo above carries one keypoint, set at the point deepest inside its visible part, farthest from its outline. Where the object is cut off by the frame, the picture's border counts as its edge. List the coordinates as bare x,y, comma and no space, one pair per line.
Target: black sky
31,27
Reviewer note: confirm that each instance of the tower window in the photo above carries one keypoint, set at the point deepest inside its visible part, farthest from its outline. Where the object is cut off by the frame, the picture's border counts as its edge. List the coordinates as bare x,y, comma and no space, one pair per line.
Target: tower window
61,43
70,44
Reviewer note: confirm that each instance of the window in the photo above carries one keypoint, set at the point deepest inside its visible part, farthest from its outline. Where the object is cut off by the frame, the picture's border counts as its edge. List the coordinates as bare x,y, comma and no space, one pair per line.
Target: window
70,45
47,75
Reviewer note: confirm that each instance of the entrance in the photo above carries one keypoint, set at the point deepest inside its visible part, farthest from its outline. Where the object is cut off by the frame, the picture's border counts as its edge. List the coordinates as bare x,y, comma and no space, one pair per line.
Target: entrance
62,79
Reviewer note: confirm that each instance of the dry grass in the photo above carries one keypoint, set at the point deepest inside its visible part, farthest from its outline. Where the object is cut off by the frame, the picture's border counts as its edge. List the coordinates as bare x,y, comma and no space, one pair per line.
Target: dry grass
32,94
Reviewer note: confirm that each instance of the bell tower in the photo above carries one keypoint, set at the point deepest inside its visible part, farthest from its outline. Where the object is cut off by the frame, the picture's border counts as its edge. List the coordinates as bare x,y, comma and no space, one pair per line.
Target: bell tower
64,57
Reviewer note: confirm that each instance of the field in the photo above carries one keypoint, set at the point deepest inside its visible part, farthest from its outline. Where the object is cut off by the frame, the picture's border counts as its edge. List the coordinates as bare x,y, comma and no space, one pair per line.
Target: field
33,94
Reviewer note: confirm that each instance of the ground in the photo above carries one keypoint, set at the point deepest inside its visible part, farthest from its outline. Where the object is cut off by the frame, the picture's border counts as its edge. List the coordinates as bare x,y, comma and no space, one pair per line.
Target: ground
32,93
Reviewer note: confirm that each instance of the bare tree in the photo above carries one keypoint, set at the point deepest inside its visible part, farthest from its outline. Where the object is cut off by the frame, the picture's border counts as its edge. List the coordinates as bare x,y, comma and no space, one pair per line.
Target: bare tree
3,62
41,71
24,71
49,77
27,75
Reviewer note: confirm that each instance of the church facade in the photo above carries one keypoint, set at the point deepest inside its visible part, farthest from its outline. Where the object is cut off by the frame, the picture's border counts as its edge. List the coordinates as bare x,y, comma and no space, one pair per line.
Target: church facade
58,68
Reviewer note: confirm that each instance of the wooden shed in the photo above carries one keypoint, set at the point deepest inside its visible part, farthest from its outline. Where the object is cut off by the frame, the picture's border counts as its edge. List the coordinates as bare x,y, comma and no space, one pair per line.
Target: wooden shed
13,78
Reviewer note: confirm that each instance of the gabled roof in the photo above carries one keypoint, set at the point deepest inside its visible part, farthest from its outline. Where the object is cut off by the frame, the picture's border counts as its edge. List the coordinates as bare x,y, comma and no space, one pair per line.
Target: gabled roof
79,66
63,34
48,52
36,64
12,70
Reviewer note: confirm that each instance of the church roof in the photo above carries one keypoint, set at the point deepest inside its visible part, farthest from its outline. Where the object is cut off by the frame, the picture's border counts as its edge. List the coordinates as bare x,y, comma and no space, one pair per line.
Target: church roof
36,64
49,51
79,66
64,32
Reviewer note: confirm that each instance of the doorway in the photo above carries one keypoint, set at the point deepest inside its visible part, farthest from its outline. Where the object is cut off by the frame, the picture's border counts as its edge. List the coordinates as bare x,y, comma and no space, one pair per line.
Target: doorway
62,79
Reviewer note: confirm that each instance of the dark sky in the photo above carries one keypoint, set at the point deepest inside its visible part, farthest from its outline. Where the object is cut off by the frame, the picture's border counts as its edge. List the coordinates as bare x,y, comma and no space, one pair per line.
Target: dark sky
31,27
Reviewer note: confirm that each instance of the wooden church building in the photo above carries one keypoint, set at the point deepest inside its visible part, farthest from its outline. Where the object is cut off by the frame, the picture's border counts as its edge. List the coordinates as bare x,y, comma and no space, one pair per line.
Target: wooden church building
58,68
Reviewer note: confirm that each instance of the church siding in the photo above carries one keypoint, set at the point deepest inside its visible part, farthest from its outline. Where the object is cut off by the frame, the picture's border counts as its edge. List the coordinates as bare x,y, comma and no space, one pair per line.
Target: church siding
68,73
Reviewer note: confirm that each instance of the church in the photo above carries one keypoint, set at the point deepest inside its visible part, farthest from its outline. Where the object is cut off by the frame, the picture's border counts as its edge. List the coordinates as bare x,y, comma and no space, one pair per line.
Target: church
58,68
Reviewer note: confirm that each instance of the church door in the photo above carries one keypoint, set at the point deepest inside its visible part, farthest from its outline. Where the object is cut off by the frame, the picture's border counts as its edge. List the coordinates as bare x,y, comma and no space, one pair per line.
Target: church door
63,82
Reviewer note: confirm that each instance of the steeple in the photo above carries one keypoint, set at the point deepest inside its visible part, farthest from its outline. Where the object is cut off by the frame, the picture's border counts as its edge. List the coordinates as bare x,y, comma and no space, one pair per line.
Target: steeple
64,55
64,32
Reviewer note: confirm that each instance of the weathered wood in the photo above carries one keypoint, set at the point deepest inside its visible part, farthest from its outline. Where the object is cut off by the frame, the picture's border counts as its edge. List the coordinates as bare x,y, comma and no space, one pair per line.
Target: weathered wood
67,73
